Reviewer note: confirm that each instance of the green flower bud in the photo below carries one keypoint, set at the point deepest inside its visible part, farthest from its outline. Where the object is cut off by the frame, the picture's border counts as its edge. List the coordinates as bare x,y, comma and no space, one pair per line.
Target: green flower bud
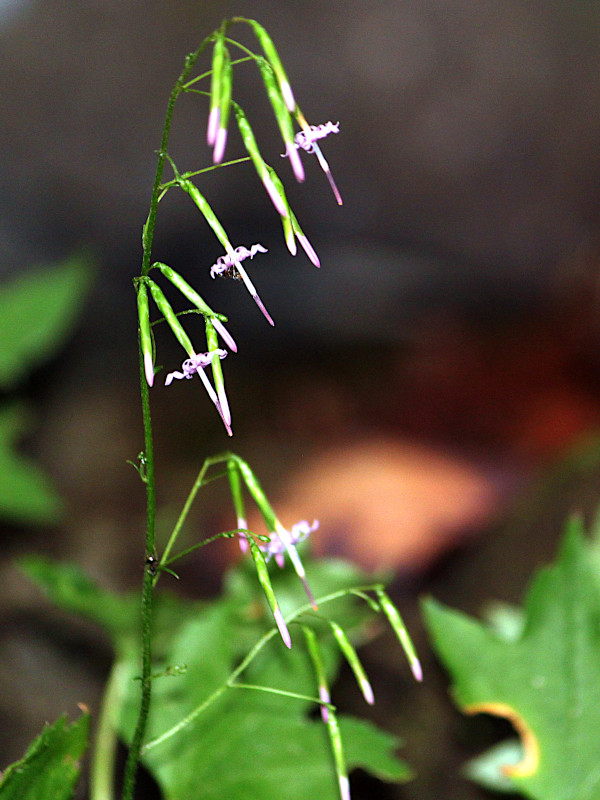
263,578
351,657
208,214
145,333
215,87
167,311
399,628
282,115
272,55
263,170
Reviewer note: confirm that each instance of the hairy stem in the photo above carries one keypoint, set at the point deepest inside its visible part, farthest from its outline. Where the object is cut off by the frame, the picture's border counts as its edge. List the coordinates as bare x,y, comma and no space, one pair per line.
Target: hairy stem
133,757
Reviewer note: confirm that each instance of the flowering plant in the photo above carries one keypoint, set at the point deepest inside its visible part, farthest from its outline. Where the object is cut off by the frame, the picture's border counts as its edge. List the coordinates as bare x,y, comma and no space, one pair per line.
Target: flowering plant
209,650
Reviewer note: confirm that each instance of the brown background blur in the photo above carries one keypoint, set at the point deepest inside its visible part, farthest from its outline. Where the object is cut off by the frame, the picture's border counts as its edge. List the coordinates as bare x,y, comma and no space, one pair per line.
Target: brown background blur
414,392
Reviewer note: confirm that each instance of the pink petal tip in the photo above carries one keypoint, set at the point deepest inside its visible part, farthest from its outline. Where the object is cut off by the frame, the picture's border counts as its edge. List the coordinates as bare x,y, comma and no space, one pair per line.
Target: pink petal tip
275,196
213,125
417,670
220,143
288,97
149,369
283,629
296,163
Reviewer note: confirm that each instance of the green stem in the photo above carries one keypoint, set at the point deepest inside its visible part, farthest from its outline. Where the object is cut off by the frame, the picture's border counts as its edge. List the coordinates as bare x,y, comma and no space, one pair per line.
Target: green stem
230,682
133,757
102,768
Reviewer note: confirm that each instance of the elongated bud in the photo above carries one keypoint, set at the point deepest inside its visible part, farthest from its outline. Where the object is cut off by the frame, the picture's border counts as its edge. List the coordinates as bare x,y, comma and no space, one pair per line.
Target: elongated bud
224,333
351,657
399,628
290,547
256,492
217,371
219,231
314,651
237,497
335,738
224,106
145,334
215,87
286,221
166,310
263,577
272,56
330,717
192,295
282,115
208,214
261,167
306,245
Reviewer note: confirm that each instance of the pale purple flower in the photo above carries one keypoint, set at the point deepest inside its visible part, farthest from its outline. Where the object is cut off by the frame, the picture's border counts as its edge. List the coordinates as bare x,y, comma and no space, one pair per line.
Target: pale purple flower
195,365
284,541
226,265
231,265
306,139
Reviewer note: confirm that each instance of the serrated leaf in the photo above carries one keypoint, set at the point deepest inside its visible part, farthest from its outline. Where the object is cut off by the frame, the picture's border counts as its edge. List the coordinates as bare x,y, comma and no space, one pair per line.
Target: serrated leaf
547,681
50,769
37,311
249,744
26,494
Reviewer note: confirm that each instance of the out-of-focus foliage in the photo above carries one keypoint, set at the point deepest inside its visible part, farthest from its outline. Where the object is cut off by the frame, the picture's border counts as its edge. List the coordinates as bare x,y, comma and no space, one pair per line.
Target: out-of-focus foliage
51,767
247,743
37,312
545,679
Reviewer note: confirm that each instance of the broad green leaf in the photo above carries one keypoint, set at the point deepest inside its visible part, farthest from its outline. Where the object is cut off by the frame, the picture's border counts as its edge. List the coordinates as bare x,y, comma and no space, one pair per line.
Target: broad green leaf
37,311
71,588
26,494
247,744
546,681
50,769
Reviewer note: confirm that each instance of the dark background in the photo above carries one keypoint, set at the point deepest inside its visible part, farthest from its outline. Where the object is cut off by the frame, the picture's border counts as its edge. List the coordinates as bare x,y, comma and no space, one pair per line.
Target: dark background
415,390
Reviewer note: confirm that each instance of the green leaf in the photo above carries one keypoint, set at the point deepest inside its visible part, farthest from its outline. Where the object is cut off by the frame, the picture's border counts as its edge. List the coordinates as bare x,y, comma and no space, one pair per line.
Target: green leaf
26,494
546,681
248,743
50,769
37,311
368,747
72,589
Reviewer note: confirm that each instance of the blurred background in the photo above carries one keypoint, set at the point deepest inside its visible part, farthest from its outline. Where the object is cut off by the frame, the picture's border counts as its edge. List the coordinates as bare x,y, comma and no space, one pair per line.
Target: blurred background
431,394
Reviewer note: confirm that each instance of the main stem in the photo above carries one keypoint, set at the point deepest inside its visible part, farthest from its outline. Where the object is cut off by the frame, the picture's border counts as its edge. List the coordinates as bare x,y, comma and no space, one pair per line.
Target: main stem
133,757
